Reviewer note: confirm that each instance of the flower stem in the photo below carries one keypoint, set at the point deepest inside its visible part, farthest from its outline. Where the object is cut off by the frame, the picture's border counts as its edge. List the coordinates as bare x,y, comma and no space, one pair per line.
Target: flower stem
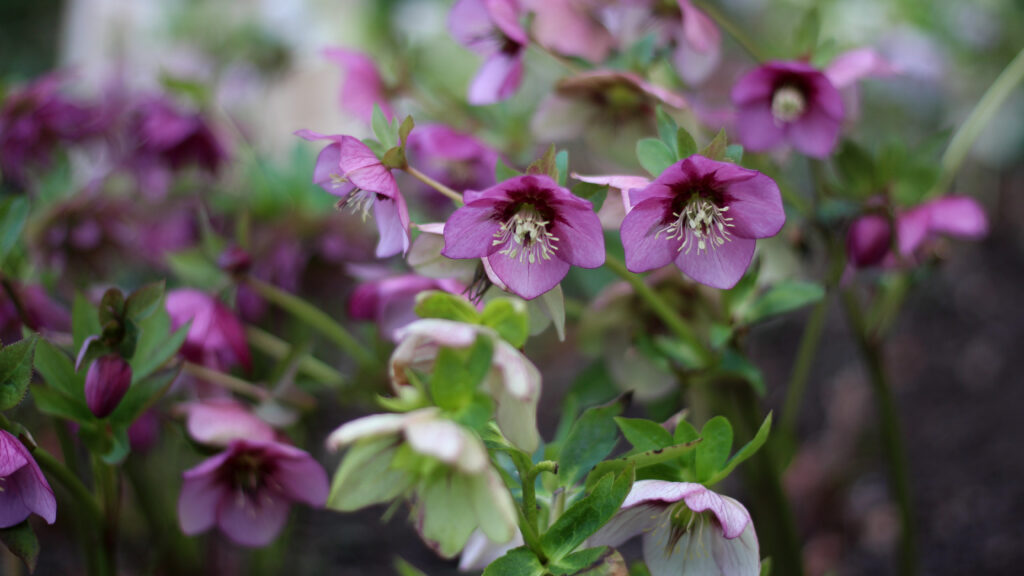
105,478
899,475
979,117
528,512
309,365
733,30
455,196
226,381
315,318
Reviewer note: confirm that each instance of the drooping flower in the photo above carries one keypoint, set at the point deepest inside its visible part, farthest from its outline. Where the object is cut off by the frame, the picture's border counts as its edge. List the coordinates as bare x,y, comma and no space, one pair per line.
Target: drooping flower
248,489
687,529
491,28
571,27
391,301
846,69
347,168
790,102
457,160
106,383
362,87
216,338
706,216
616,206
440,466
25,490
219,421
530,229
513,381
869,240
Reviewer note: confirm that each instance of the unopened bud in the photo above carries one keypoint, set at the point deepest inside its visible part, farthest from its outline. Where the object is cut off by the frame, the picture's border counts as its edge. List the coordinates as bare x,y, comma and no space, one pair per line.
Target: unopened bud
106,383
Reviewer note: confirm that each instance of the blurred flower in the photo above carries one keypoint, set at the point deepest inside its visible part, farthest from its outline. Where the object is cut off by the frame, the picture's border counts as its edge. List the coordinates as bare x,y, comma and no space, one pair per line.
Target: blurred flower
571,27
788,101
362,86
391,302
248,489
491,28
347,168
616,205
513,381
106,383
216,338
459,161
687,530
530,229
426,258
23,488
480,551
849,67
219,421
144,432
34,310
706,216
442,466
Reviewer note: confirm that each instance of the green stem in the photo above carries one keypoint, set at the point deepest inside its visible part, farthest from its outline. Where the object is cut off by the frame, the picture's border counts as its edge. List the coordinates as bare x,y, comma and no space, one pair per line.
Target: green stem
84,500
278,349
802,368
315,318
979,117
672,320
105,479
455,196
528,512
175,550
226,381
731,29
899,475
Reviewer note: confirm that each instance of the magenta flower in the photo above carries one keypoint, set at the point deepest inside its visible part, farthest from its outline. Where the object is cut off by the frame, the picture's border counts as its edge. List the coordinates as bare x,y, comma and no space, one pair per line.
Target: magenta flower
530,229
571,27
687,530
362,87
216,338
347,168
457,160
869,240
219,421
248,489
788,101
706,216
391,302
616,205
491,28
25,489
34,310
106,383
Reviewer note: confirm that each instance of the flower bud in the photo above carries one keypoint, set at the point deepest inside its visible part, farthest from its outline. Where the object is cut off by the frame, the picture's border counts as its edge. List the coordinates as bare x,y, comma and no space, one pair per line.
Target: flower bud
106,383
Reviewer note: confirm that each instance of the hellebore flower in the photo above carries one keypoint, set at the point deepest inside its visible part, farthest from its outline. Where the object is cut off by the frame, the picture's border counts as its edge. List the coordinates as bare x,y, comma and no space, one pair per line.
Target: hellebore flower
491,28
25,490
480,551
391,302
362,87
706,216
219,421
614,210
216,338
687,530
106,383
571,27
457,160
788,101
248,489
514,382
530,229
34,309
441,466
347,168
869,240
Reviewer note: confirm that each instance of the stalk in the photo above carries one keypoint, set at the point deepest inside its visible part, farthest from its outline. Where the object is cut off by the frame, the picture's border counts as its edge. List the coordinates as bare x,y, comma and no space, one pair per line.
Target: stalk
455,196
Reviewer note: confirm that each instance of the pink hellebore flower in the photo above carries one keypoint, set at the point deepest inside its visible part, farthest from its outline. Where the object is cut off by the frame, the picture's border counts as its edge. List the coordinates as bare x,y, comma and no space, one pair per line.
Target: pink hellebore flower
216,338
616,206
219,421
391,301
347,168
869,240
458,160
788,101
706,216
25,490
248,489
362,87
106,383
687,530
530,229
491,28
38,312
571,27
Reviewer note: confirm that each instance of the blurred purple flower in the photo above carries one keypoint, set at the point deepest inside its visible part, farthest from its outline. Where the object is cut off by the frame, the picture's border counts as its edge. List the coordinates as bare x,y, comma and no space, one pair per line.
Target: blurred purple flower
37,312
391,302
144,432
362,86
788,101
25,490
706,216
216,338
106,383
491,28
571,27
219,421
347,168
458,160
530,229
248,489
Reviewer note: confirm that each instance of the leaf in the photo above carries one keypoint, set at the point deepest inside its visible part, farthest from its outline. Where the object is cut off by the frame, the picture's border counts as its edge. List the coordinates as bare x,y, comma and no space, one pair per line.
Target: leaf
51,401
84,321
405,129
144,301
856,169
667,131
394,158
504,172
142,395
516,562
509,319
439,304
58,372
715,150
195,269
587,515
15,371
562,166
602,561
672,456
590,439
805,37
654,155
734,153
545,165
404,568
111,306
13,215
684,433
685,144
382,128
458,374
784,297
735,364
744,453
118,447
644,434
22,542
714,449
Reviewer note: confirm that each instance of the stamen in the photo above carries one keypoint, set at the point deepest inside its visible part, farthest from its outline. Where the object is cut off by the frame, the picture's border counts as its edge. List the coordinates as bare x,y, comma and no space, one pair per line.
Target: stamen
358,200
526,236
788,104
707,223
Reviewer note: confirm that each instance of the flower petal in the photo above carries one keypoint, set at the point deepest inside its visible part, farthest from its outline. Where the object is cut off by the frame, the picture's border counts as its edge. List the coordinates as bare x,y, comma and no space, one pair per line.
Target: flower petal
755,206
720,268
253,520
301,478
579,233
366,427
498,79
469,231
816,133
392,217
851,66
528,280
959,216
757,128
645,248
691,555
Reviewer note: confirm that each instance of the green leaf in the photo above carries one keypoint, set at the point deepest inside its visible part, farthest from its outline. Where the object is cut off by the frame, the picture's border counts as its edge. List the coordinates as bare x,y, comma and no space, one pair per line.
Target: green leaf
592,192
644,434
195,269
111,306
685,433
405,129
58,372
748,450
458,373
118,447
377,148
394,158
715,150
735,364
382,128
439,304
143,395
516,562
562,166
591,438
22,542
51,401
509,319
504,172
601,561
144,301
856,169
714,449
685,144
155,346
15,371
654,155
672,456
404,568
667,131
365,476
784,297
84,321
587,515
546,164
805,37
13,215
734,153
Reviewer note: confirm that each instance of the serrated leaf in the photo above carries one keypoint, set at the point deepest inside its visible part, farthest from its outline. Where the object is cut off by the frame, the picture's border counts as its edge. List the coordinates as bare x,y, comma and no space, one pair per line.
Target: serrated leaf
784,297
15,371
509,319
744,453
673,456
685,433
439,304
405,129
591,438
382,128
21,541
144,301
587,515
516,562
644,435
686,146
654,156
715,150
713,451
667,129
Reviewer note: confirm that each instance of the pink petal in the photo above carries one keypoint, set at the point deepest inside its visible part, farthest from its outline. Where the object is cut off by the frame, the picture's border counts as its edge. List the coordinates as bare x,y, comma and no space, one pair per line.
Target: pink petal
392,219
302,479
498,79
565,27
758,85
740,555
757,128
699,30
200,496
851,66
816,133
253,521
469,22
732,516
755,205
868,240
218,421
470,230
912,229
528,280
505,16
720,268
629,522
580,238
959,216
645,248
362,87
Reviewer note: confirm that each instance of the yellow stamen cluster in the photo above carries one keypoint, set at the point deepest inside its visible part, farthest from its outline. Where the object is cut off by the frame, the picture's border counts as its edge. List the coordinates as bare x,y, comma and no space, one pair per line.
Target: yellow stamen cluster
526,236
707,223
